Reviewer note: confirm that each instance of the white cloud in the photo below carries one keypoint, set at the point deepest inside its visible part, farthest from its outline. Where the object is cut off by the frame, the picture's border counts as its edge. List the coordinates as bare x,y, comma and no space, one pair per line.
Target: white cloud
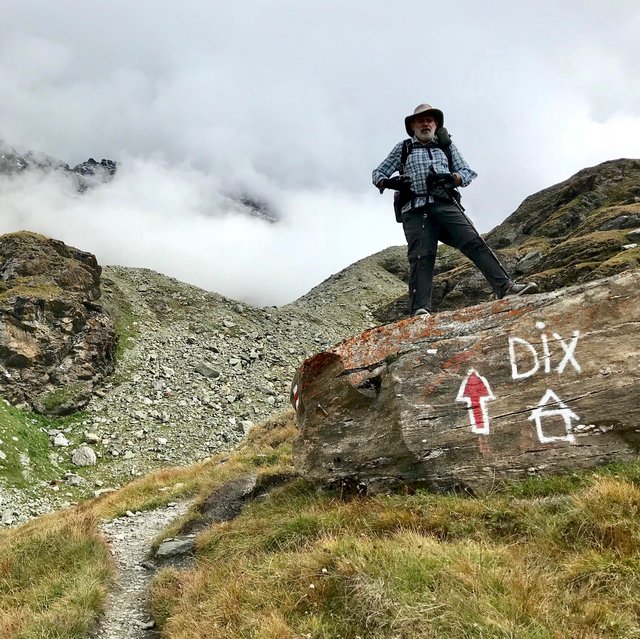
297,102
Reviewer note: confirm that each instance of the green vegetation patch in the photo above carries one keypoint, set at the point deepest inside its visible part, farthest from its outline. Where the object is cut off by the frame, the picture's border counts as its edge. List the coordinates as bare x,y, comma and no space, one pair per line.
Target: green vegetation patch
594,247
61,396
25,445
54,574
541,559
623,261
598,218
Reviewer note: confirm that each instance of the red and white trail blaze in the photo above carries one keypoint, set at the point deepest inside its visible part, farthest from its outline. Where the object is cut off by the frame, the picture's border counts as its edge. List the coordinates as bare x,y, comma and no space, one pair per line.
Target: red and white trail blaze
476,392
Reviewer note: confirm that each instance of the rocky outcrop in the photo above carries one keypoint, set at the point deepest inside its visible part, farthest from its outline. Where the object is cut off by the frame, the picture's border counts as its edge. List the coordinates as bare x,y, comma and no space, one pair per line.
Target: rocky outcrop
56,343
580,230
464,399
83,175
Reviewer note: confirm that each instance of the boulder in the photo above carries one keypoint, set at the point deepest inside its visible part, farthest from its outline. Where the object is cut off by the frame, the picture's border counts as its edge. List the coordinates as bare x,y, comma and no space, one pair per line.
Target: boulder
461,400
56,343
84,456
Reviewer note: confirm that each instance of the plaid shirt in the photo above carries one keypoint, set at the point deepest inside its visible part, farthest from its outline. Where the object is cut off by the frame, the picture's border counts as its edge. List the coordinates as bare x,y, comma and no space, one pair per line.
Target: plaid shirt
421,159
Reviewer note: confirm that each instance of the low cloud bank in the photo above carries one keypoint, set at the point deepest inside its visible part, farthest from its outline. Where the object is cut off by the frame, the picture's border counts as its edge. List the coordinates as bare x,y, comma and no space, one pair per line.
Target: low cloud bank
177,222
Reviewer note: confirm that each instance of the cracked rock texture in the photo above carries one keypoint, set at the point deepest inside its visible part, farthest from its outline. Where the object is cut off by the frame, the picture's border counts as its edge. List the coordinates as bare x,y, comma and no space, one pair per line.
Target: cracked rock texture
56,342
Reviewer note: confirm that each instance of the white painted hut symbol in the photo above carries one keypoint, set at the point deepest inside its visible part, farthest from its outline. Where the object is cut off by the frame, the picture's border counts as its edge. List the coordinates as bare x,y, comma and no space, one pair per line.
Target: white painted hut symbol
559,409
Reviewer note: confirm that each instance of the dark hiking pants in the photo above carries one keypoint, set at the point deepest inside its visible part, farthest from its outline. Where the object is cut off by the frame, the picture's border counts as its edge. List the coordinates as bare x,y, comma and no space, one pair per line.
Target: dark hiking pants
443,221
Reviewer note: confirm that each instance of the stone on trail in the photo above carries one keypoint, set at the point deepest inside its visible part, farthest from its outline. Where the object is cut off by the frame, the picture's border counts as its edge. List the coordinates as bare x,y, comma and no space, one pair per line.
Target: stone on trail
536,385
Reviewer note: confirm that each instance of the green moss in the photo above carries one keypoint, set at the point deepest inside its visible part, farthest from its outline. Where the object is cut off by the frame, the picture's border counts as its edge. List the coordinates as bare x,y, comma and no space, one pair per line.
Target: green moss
61,396
623,261
30,287
125,321
541,244
603,215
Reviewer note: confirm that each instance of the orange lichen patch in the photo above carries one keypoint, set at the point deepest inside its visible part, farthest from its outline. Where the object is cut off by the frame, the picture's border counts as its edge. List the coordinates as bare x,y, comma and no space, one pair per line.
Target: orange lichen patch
376,344
499,307
454,363
466,314
312,367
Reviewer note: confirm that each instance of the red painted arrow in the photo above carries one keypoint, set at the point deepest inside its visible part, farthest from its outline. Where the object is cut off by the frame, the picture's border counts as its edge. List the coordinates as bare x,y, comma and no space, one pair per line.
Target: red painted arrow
475,390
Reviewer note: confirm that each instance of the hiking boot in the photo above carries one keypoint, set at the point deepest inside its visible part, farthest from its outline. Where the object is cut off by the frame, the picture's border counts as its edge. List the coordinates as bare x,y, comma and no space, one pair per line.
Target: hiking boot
421,311
521,288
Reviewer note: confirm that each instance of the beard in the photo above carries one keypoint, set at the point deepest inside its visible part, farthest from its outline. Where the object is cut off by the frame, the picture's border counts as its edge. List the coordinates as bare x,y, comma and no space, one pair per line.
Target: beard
426,135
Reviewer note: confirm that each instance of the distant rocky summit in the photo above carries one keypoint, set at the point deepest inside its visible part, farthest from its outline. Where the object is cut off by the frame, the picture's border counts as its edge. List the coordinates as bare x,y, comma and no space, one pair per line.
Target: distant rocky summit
56,343
92,173
84,175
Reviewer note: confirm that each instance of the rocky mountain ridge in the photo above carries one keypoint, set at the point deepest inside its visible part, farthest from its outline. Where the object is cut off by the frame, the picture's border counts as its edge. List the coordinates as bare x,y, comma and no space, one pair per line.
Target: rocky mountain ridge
194,372
92,173
83,175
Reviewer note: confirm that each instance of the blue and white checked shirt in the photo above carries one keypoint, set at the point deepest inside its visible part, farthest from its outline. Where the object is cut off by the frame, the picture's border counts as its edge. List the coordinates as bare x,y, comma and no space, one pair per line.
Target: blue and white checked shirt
420,160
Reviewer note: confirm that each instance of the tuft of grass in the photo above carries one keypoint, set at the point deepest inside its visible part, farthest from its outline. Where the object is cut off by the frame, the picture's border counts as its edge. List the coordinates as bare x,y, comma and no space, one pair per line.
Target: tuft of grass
25,445
54,574
60,396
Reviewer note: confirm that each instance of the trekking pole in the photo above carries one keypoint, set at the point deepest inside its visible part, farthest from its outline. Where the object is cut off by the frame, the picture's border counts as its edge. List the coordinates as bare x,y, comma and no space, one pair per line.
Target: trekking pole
461,209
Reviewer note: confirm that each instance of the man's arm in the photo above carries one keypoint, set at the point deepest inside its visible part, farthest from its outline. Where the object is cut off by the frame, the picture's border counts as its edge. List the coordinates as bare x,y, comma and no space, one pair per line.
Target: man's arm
461,168
388,166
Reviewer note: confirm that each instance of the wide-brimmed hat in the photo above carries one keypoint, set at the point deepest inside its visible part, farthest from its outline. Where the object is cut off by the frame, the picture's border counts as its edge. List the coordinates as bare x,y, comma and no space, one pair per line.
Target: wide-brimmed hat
423,108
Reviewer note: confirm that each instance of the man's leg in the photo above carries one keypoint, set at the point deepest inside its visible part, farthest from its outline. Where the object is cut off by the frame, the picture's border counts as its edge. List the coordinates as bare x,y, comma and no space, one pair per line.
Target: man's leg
422,246
464,236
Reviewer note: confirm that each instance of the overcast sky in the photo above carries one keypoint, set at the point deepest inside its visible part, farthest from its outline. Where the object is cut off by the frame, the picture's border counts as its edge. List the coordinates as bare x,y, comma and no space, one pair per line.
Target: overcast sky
296,102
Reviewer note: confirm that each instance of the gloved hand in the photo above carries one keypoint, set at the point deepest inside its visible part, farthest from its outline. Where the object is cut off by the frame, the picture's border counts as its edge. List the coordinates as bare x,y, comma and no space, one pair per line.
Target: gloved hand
397,183
440,180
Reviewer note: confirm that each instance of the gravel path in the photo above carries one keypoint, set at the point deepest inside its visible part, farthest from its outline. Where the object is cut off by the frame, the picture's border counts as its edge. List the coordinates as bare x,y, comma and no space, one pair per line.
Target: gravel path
130,539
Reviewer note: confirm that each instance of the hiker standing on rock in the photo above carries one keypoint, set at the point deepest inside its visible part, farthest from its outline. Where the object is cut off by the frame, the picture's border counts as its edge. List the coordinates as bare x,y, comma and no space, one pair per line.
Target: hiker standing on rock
427,203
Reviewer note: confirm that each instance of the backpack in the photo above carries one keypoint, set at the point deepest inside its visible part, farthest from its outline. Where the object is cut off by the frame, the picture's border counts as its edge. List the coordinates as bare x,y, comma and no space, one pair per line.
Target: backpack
443,140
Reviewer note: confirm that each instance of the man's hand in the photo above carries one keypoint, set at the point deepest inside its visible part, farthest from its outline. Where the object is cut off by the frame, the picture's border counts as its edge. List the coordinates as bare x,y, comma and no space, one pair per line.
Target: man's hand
397,183
443,180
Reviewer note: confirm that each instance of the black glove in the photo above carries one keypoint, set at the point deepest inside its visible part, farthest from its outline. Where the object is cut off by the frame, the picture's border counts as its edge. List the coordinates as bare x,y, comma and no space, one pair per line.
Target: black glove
440,180
397,183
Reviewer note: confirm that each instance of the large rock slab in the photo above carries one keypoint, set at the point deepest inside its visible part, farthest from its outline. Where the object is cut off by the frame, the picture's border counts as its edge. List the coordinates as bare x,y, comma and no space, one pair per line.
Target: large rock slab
543,384
56,342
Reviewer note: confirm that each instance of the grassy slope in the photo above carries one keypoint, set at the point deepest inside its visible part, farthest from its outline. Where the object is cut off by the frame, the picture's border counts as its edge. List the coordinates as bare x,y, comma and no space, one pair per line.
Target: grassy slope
55,571
539,559
25,444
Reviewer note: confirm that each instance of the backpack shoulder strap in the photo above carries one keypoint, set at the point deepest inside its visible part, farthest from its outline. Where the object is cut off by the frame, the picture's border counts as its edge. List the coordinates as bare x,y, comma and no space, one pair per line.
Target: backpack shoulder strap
447,152
407,146
443,140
